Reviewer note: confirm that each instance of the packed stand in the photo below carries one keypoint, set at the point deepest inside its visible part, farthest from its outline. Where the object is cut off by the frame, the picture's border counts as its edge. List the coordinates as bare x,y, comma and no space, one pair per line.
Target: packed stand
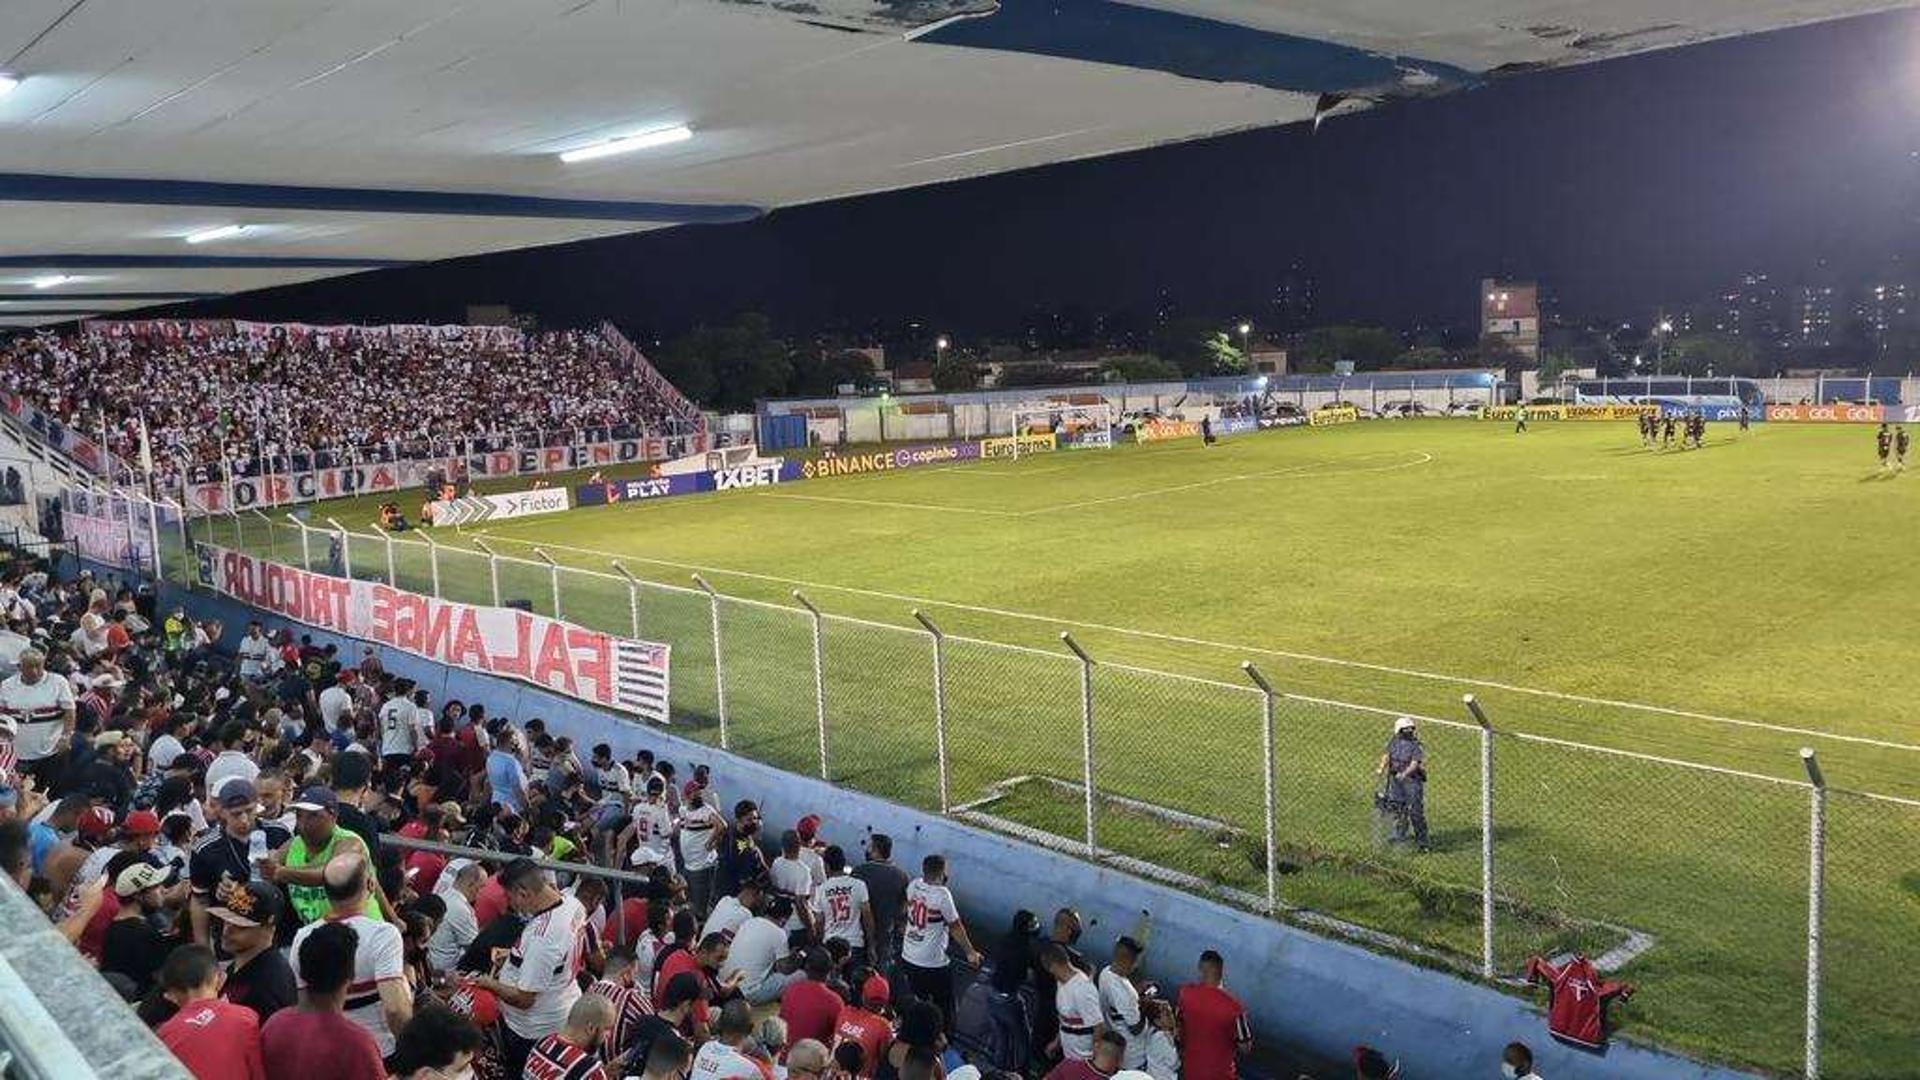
212,391
238,831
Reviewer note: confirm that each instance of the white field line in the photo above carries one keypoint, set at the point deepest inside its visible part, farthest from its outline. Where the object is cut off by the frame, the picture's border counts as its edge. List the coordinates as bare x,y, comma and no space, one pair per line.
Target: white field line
1183,639
890,504
1420,457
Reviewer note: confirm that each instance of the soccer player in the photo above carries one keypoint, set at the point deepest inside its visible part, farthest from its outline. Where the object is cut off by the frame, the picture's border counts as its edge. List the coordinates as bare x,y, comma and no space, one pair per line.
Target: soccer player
1520,420
1666,431
1647,422
1884,442
1746,419
1901,440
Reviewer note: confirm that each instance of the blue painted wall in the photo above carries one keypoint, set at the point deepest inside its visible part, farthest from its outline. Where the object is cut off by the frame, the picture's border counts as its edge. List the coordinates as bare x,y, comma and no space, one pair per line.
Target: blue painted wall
1320,995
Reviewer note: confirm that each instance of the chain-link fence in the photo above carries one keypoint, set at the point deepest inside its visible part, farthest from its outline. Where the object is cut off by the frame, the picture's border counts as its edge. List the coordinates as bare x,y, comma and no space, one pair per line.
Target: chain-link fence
1700,885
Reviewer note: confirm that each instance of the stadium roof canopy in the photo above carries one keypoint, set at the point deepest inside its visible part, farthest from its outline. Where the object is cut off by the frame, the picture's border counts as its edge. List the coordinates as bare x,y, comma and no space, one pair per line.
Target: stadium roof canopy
344,135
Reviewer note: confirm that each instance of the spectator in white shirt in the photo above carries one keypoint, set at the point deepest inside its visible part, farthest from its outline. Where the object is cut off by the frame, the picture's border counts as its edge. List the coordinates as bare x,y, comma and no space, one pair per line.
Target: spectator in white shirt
459,883
724,1057
40,709
731,912
758,947
254,651
791,878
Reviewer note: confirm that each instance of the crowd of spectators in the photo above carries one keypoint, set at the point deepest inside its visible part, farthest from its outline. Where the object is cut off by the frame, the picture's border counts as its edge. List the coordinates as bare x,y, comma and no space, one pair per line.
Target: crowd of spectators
241,835
211,392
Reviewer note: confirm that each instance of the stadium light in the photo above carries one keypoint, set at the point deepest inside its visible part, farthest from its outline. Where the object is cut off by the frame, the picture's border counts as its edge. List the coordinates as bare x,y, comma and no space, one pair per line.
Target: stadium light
8,83
220,232
1245,329
1666,326
941,342
626,144
51,281
1261,382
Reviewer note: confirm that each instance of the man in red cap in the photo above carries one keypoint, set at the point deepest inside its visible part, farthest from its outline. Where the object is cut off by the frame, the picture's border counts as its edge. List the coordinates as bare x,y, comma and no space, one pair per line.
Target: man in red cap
866,1024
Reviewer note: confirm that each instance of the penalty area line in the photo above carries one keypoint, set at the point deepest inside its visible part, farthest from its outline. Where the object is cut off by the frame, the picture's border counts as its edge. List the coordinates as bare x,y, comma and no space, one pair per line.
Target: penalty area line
1183,639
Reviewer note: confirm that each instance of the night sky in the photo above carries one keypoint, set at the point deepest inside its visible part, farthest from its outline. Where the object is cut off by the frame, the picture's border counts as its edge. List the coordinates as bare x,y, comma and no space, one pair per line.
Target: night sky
1621,185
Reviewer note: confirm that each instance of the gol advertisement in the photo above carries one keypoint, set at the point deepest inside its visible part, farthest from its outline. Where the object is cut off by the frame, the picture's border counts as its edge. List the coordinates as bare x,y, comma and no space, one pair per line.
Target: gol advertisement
1333,414
1162,430
1003,447
1832,414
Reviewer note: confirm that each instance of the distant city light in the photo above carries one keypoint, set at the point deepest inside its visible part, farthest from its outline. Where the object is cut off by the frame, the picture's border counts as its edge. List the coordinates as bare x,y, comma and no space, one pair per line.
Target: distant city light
1245,329
627,144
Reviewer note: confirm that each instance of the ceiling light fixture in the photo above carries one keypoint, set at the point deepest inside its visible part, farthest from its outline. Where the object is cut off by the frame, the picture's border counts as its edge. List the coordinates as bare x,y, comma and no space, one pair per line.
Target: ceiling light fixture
223,232
626,144
8,83
51,280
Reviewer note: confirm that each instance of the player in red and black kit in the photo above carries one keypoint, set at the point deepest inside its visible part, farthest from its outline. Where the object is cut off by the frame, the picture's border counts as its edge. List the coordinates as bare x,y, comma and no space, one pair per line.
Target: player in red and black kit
1884,442
1900,443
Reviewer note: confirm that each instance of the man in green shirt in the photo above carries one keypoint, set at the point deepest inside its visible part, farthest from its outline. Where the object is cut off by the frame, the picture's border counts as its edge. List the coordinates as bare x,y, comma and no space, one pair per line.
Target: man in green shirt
318,836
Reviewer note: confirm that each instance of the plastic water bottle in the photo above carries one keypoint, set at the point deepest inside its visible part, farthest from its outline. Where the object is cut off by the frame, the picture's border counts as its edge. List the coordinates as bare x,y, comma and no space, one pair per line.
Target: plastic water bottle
256,850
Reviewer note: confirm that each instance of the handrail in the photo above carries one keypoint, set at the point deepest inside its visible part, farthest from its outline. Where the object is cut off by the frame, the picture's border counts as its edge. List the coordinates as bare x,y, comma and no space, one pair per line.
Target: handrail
461,851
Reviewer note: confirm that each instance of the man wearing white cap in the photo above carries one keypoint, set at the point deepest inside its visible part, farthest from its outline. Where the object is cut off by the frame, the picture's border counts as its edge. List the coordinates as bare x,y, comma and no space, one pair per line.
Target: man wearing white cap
1404,764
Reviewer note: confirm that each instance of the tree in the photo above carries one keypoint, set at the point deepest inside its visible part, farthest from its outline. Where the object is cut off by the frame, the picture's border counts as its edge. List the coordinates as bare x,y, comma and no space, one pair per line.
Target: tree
1138,368
821,372
1712,354
1198,347
1556,365
1371,348
728,367
955,371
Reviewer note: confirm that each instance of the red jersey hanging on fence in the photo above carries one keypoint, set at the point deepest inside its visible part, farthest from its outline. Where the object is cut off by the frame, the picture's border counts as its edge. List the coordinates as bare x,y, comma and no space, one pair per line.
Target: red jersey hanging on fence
1577,1000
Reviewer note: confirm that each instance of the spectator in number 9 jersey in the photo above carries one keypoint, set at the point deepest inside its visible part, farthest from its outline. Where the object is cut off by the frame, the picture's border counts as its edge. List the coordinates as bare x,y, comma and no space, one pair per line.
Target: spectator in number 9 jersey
932,920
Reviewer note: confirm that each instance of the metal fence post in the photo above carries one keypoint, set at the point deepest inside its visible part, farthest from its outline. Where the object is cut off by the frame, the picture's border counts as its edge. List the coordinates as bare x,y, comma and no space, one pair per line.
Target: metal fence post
239,534
493,569
1086,737
719,669
393,578
433,562
346,548
186,544
1266,771
273,542
1486,835
1816,902
633,596
306,552
153,537
819,680
939,705
553,576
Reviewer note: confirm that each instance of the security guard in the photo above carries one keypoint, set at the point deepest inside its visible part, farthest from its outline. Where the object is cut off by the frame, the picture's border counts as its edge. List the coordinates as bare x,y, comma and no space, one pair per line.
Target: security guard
1405,766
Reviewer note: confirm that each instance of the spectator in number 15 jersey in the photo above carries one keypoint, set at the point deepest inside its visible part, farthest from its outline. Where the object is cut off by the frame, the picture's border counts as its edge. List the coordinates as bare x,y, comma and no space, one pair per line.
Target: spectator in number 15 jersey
932,919
842,906
1214,1022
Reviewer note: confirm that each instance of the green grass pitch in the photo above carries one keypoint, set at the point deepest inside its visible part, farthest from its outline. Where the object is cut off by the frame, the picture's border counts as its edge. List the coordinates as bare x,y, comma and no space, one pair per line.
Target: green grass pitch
1723,606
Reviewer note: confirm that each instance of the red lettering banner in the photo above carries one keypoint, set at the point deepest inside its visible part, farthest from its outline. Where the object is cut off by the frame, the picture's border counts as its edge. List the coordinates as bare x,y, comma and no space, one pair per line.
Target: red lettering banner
590,665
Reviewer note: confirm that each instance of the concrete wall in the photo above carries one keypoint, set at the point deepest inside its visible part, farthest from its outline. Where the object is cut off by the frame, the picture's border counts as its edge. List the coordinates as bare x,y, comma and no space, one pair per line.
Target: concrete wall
1320,995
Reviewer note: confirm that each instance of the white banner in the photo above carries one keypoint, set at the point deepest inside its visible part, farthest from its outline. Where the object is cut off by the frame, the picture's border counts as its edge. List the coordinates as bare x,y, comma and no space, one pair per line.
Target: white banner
281,489
590,665
474,509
